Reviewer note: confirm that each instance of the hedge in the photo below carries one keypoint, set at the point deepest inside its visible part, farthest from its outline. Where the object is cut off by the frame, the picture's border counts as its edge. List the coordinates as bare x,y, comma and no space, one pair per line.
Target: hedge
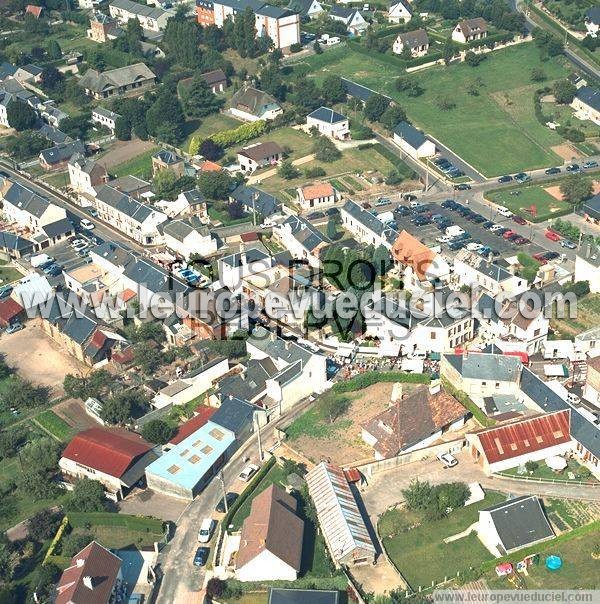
364,380
57,538
241,134
464,399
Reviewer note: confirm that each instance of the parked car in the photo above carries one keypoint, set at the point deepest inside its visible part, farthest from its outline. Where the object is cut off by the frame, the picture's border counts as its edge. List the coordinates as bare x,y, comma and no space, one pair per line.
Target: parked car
504,211
86,224
519,219
592,163
13,327
540,258
496,228
55,271
5,292
522,177
442,225
551,255
248,472
514,237
552,171
93,212
206,530
231,497
487,225
473,246
332,212
502,231
366,205
478,219
409,197
508,234
552,235
484,250
568,244
520,240
201,556
382,201
573,168
448,460
449,204
506,178
463,186
403,211
456,245
315,215
421,220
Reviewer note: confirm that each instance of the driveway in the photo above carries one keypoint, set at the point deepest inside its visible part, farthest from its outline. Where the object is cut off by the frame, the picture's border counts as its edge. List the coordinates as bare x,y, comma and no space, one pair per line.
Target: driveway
148,503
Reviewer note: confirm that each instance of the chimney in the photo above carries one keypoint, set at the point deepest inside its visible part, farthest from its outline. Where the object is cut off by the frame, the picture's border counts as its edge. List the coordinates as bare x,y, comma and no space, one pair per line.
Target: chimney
435,387
273,336
80,562
396,392
87,581
242,253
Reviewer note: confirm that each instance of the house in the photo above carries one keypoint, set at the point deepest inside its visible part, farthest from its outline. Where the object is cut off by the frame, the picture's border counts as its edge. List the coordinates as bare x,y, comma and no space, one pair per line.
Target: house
316,196
152,18
57,157
255,200
28,74
302,239
399,11
366,227
469,30
113,456
103,28
233,268
185,470
284,595
86,174
216,80
132,80
329,123
251,381
341,522
307,9
189,237
167,160
32,291
412,141
586,104
11,91
417,42
482,375
591,209
54,135
592,21
137,220
105,117
11,312
515,443
132,185
351,17
259,155
591,390
236,415
201,416
250,105
302,371
92,577
414,422
587,265
12,246
34,11
512,525
271,538
52,115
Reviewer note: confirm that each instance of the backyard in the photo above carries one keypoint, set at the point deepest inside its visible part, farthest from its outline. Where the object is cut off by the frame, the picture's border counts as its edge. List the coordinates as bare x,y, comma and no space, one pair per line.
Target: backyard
495,130
543,472
587,316
139,165
420,552
207,126
8,273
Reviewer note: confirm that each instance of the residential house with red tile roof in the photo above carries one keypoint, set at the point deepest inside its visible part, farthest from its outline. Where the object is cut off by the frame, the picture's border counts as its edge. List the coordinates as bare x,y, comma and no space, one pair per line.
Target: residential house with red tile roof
201,415
115,457
316,195
515,443
92,577
10,312
271,539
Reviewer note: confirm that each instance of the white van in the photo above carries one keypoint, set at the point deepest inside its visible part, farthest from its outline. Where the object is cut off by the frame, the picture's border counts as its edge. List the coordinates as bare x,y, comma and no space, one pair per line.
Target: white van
444,239
206,530
503,211
40,259
454,231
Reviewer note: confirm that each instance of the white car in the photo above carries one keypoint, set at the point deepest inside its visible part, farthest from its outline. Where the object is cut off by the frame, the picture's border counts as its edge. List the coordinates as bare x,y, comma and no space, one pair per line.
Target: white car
78,242
503,211
444,239
248,472
496,227
206,530
448,460
80,245
87,225
473,247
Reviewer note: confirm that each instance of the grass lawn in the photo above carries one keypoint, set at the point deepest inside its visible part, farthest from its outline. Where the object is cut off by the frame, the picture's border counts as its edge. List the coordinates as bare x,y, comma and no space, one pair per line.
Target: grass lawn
55,425
546,205
588,316
421,554
211,124
18,507
8,274
139,165
259,597
496,132
57,180
545,473
224,218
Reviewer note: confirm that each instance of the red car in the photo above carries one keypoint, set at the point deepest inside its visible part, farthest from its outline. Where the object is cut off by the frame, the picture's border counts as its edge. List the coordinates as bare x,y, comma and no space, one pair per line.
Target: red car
508,234
519,219
552,236
540,258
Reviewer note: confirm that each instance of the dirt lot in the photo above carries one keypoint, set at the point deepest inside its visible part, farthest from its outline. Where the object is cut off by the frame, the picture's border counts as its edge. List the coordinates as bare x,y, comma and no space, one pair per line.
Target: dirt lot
73,412
566,151
122,151
37,357
555,190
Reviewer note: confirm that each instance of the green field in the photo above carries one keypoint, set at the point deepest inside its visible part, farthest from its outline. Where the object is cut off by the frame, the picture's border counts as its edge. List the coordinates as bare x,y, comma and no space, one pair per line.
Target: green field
139,165
54,425
496,131
546,205
421,554
8,274
209,125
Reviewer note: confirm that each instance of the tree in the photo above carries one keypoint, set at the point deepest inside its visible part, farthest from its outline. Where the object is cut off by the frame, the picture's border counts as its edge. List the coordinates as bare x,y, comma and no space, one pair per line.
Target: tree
325,150
87,496
576,188
331,229
157,431
12,439
392,116
271,81
287,170
317,48
116,410
41,454
538,74
74,542
409,85
42,582
334,406
473,59
210,150
24,145
146,358
77,126
20,115
382,260
22,394
182,42
164,182
215,185
418,495
43,525
95,384
375,106
564,92
54,50
122,128
37,484
306,95
531,466
445,103
333,90
52,80
75,94
199,100
165,118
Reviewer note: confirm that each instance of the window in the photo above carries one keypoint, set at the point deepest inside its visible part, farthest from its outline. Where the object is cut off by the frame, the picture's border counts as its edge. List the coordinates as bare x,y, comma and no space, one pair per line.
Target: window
433,335
173,469
194,459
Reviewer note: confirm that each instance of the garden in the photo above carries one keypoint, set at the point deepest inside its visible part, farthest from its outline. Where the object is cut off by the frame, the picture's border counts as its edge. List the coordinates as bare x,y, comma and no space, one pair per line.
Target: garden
533,470
588,316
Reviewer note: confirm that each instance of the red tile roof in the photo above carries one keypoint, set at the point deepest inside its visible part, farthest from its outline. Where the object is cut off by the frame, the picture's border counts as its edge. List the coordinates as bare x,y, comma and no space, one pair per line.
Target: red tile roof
525,436
248,237
9,309
107,450
36,11
410,251
210,166
90,578
203,414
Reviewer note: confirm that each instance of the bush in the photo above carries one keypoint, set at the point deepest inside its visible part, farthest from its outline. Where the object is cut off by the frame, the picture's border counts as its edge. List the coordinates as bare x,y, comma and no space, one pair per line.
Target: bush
364,380
241,134
315,172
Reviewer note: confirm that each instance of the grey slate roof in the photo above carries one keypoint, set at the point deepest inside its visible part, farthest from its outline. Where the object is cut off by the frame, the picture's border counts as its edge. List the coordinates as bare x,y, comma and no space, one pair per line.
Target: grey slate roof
54,135
405,4
193,196
167,157
415,38
12,242
252,383
124,203
115,78
234,414
274,12
520,522
252,100
25,199
277,348
154,278
370,221
214,77
107,113
407,132
7,70
152,12
305,233
62,152
589,96
358,91
324,114
241,5
590,253
264,203
301,6
593,15
592,207
180,229
252,255
481,366
343,12
58,228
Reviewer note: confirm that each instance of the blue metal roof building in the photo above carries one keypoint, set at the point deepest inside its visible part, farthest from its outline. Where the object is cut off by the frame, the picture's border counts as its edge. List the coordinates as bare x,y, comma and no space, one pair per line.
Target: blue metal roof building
188,467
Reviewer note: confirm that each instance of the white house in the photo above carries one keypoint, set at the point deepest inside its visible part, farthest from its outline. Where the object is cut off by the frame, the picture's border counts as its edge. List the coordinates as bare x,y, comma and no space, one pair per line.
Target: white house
271,538
591,389
250,105
351,17
150,17
416,41
259,155
586,104
317,195
587,266
413,141
189,236
233,268
592,21
366,227
105,117
302,239
329,123
399,11
307,8
470,30
85,174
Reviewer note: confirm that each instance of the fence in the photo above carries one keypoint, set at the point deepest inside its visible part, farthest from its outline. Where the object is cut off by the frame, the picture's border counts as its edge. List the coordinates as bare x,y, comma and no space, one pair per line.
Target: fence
151,415
547,480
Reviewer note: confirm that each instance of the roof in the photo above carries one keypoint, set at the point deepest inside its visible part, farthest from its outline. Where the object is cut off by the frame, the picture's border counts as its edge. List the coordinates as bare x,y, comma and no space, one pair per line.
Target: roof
282,595
520,522
472,26
252,255
590,253
25,199
589,96
34,10
115,78
489,269
108,450
264,203
322,189
481,366
107,113
12,242
370,221
234,414
9,309
409,251
525,436
305,232
274,12
90,578
252,100
166,156
188,462
152,12
214,77
124,203
415,38
62,152
277,348
592,207
58,228
272,526
324,114
359,91
413,419
408,133
252,382
339,517
342,12
180,229
593,15
201,415
303,6
260,151
402,3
